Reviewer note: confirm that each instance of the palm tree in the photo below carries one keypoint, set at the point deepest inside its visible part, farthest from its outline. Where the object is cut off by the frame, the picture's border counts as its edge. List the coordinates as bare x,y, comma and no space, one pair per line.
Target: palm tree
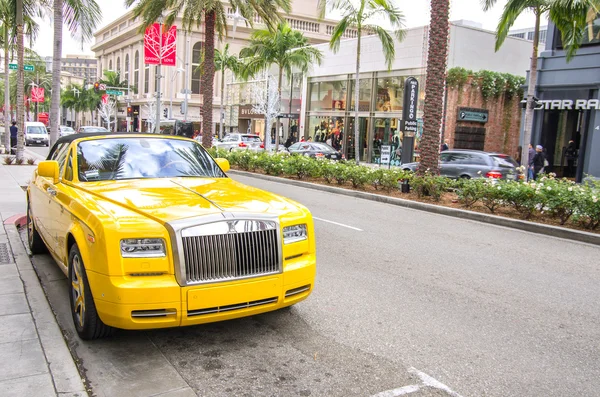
8,34
225,61
284,47
212,13
434,87
361,15
81,18
113,79
570,17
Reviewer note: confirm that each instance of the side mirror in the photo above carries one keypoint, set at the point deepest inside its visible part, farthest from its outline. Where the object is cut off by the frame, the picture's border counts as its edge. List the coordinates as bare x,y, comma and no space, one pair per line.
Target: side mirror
49,169
223,163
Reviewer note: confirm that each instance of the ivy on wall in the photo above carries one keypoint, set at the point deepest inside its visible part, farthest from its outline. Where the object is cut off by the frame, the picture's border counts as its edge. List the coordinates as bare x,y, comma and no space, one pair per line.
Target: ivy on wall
490,84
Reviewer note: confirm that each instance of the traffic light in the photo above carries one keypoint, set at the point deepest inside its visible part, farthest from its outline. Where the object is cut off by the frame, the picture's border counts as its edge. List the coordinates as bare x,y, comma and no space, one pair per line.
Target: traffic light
166,112
96,87
129,111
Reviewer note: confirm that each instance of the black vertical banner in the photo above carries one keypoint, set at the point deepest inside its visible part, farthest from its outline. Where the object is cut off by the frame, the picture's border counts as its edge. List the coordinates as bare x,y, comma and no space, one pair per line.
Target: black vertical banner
409,118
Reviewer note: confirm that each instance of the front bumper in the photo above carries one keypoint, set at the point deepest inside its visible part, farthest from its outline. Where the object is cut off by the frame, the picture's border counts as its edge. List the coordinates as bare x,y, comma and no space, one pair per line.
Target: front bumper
159,302
34,141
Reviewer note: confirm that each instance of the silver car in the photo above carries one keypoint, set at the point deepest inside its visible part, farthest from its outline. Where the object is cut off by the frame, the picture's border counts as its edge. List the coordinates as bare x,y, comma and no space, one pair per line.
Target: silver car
89,129
469,164
65,130
241,142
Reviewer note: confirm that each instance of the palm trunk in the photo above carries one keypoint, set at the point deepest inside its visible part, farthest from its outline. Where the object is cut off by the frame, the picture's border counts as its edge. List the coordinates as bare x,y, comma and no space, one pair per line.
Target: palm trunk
356,99
7,111
528,125
20,82
278,121
208,78
56,65
221,115
434,87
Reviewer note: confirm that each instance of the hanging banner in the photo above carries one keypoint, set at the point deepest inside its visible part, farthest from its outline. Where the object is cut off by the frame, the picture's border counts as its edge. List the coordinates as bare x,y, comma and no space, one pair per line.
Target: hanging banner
37,94
160,51
105,99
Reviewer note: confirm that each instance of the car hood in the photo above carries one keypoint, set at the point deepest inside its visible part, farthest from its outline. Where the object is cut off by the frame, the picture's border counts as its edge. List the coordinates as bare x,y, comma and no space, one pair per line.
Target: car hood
169,199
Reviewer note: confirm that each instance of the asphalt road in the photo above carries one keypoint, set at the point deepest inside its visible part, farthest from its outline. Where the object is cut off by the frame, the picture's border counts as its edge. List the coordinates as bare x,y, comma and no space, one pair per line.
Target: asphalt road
407,301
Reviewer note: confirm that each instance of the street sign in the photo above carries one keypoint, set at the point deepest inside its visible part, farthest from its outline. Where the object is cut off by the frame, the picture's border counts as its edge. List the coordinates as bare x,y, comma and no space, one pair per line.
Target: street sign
27,68
471,114
114,92
102,87
386,152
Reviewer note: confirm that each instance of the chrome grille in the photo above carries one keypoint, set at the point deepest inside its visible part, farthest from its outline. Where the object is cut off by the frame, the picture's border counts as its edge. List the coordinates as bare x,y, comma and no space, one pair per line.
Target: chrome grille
233,250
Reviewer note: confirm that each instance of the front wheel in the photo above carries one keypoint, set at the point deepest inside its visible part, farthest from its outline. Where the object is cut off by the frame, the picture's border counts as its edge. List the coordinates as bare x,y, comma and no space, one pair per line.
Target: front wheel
83,309
34,240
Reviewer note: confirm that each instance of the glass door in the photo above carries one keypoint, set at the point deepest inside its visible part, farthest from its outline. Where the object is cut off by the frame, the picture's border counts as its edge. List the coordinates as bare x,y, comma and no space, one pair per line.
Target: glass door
363,144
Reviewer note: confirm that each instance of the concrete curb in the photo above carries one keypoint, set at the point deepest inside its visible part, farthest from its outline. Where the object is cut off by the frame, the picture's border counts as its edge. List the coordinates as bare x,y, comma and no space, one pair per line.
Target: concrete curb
538,228
64,372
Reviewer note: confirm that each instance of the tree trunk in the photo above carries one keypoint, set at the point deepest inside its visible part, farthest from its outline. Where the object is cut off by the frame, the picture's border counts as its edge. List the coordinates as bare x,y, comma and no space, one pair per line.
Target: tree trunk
208,78
278,121
356,99
221,115
7,112
434,87
528,125
56,65
20,82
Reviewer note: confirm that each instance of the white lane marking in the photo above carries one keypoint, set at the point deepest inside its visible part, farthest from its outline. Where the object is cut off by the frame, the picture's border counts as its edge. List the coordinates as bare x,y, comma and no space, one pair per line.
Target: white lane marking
339,224
431,382
401,391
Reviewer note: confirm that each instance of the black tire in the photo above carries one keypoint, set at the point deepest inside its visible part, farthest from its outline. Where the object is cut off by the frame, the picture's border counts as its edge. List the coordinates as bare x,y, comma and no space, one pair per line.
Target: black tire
34,240
83,309
465,177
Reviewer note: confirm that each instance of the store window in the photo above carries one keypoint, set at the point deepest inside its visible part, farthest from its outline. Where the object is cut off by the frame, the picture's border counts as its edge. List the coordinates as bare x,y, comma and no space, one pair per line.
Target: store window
196,58
386,132
364,95
390,91
591,33
329,130
328,95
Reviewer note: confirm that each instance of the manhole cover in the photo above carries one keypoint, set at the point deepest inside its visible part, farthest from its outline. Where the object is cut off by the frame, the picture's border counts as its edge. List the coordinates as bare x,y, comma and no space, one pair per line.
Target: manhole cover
5,256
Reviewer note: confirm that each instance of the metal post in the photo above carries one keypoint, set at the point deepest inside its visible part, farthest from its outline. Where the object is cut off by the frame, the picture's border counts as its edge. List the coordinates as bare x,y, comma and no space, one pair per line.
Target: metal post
187,63
171,99
158,77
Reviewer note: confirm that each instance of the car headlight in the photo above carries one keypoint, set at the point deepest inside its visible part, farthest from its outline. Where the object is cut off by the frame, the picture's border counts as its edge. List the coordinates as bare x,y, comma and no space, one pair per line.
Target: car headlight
293,234
142,247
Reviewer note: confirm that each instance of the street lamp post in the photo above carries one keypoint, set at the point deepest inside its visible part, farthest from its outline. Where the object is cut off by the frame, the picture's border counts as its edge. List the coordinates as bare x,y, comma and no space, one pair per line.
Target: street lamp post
158,77
173,76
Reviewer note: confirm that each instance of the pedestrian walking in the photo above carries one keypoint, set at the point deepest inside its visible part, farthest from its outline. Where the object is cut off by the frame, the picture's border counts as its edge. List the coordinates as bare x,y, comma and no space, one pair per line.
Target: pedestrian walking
530,162
518,155
445,146
539,161
571,155
14,132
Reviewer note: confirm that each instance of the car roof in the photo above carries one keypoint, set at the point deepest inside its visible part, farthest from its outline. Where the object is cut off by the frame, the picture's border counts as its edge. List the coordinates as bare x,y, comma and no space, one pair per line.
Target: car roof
73,137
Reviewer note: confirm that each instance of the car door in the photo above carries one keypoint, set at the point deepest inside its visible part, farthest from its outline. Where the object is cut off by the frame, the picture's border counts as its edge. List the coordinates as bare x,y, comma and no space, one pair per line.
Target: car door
60,205
445,163
55,193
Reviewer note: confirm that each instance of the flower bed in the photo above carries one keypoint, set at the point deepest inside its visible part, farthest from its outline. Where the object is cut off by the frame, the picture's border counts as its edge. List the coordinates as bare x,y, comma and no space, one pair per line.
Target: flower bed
547,200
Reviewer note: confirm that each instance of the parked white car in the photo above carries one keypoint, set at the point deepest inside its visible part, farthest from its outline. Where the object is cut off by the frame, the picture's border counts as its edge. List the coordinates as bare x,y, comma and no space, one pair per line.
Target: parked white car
36,134
66,130
240,142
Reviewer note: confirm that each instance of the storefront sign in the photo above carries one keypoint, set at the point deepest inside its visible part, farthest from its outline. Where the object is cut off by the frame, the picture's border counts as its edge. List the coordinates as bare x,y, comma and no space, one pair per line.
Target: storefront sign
247,112
37,94
386,152
471,114
293,116
160,47
409,109
568,104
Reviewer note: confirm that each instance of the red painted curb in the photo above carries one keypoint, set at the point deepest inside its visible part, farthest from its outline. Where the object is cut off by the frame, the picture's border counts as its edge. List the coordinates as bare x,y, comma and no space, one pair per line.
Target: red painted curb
18,220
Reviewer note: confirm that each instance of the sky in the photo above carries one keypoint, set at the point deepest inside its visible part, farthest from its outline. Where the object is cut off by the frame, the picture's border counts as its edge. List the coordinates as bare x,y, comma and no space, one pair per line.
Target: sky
416,13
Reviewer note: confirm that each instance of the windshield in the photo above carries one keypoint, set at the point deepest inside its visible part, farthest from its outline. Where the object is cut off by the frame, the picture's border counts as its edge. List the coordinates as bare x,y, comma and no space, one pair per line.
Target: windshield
504,161
34,129
94,129
131,158
250,138
67,129
321,147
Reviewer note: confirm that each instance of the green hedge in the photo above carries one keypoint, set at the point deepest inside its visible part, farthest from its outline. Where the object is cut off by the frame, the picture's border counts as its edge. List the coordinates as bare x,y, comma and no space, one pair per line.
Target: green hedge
560,199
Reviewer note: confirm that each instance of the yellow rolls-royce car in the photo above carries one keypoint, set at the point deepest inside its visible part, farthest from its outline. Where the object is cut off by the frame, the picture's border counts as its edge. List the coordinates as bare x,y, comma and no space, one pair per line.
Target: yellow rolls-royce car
152,233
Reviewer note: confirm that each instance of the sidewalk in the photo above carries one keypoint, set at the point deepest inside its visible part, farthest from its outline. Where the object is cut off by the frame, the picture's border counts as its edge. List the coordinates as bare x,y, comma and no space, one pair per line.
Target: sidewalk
35,359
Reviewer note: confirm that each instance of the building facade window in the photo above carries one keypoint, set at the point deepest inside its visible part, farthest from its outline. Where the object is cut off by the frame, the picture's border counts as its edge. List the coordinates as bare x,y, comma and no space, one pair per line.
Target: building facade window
136,70
196,58
146,79
127,68
119,65
364,95
328,95
110,65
